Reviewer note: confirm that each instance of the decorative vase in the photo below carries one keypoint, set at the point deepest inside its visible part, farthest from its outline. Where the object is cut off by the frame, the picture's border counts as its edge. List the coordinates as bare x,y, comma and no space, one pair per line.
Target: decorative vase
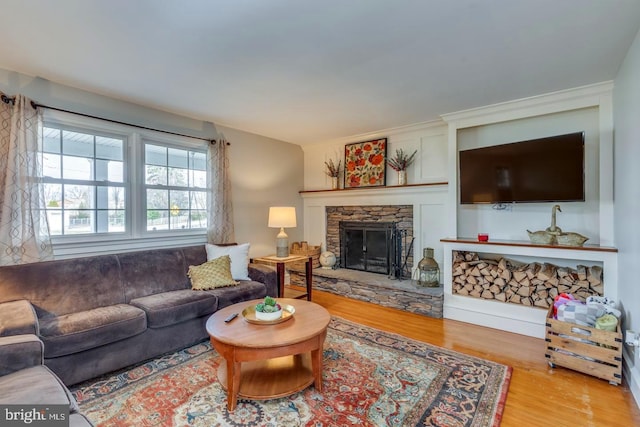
327,260
402,177
334,182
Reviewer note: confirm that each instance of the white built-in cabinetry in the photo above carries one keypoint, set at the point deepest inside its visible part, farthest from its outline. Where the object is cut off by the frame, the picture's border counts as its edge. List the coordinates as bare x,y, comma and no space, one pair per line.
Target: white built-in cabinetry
515,317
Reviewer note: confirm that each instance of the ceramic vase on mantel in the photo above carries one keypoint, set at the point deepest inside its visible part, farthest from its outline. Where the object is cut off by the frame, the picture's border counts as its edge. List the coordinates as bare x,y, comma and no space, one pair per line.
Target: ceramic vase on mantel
402,177
334,183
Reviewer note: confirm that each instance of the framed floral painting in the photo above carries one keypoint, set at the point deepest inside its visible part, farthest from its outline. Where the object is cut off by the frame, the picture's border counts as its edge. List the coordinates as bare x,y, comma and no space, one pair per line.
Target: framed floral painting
365,164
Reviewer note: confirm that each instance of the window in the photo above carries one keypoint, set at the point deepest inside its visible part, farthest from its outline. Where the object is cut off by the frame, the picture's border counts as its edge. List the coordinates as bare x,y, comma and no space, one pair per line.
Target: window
175,185
116,186
83,182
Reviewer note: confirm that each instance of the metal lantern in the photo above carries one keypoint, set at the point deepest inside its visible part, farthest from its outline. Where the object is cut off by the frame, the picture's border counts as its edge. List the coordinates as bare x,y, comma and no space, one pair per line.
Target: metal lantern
428,270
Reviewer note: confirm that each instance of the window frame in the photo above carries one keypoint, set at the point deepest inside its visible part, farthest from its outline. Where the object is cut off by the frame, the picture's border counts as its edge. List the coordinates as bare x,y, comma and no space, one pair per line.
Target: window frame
135,236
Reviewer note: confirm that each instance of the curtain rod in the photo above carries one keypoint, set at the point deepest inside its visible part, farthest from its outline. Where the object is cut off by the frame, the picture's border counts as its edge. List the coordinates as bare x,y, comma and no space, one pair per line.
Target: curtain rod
9,100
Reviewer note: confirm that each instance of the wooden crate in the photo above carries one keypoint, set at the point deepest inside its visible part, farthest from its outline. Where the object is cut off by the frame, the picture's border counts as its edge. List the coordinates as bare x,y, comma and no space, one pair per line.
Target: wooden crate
601,356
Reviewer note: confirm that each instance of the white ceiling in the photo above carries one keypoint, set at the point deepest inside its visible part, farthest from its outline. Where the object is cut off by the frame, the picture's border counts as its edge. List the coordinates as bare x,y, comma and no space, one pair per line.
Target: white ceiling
310,71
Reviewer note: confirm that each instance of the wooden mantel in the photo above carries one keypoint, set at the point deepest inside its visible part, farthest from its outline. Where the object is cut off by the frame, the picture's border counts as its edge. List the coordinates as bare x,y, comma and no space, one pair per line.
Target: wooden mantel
382,187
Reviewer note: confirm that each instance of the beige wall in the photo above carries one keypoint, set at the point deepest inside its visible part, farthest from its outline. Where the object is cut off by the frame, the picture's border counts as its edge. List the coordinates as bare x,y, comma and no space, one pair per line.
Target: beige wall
264,172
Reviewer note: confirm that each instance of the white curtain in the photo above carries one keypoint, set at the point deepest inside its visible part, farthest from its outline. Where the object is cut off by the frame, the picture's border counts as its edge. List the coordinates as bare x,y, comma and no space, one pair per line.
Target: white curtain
220,212
24,230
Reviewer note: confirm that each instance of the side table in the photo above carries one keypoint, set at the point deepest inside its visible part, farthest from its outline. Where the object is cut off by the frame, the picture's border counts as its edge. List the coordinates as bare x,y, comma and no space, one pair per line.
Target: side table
280,263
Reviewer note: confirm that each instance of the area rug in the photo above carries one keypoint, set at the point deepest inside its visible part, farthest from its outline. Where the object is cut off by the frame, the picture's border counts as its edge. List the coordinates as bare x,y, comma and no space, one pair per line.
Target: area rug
370,378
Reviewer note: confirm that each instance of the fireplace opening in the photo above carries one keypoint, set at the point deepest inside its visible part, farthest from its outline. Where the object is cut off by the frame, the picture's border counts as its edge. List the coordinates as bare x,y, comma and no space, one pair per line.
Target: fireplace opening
368,246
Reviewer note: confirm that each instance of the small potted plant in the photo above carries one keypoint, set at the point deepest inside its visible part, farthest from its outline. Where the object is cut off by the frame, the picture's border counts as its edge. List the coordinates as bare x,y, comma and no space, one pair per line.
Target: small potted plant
269,309
333,171
400,162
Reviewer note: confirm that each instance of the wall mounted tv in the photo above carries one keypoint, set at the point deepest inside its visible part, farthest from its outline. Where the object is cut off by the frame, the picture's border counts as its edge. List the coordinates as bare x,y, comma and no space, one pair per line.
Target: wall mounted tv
540,170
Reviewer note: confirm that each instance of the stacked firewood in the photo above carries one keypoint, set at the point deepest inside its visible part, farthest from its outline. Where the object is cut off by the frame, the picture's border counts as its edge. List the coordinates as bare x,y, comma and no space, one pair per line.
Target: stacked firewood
531,284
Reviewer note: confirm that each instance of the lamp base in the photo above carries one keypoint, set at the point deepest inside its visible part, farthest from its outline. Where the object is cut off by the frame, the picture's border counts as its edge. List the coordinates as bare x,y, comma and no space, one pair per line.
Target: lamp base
282,244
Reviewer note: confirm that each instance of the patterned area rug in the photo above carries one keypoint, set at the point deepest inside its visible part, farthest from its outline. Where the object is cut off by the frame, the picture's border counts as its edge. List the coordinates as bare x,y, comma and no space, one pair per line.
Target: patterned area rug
371,378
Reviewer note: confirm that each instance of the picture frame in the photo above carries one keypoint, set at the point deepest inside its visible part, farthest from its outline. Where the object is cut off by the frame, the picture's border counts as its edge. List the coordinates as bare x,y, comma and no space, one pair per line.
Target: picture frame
365,164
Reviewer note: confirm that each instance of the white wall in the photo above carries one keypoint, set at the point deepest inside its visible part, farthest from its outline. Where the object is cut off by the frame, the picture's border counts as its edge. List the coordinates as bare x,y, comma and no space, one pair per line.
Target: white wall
430,139
626,98
264,171
511,224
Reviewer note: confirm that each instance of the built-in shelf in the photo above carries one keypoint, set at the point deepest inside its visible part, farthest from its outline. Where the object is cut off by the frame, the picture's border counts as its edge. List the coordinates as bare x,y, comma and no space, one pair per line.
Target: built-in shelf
513,317
523,243
382,187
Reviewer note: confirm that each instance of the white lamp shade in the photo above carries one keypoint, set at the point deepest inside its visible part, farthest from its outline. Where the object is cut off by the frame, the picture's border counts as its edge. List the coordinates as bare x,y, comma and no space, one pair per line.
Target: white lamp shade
282,217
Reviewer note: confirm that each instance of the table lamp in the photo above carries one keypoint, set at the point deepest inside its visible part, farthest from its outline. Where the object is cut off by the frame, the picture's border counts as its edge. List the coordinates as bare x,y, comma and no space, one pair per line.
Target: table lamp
282,217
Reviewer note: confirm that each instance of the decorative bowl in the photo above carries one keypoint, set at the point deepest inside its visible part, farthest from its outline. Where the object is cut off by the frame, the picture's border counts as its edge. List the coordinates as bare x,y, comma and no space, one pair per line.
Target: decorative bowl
268,316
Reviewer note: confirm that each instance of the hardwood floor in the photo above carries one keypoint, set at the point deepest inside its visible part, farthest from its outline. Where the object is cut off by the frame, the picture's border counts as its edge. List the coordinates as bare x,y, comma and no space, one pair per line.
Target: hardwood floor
538,395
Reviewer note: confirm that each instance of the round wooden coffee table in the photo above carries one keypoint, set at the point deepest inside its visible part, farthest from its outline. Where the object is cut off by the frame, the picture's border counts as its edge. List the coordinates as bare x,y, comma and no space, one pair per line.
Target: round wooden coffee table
269,361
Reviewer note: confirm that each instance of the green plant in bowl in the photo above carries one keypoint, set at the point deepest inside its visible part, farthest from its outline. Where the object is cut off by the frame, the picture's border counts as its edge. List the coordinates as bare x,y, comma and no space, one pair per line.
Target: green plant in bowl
269,309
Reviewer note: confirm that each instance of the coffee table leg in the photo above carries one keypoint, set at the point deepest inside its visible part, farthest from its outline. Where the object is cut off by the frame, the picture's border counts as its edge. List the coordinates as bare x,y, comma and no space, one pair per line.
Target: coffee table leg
233,384
316,366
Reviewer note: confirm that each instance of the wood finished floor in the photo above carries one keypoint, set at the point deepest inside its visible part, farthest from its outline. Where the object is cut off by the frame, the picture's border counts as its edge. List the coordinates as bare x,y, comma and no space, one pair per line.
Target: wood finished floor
538,395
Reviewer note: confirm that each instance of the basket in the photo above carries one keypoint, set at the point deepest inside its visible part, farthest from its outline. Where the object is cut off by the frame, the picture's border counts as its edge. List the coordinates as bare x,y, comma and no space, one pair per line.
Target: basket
588,350
303,248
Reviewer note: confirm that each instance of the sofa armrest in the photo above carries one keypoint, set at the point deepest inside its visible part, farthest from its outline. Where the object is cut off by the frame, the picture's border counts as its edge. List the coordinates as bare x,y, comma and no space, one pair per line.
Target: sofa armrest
19,352
18,317
265,274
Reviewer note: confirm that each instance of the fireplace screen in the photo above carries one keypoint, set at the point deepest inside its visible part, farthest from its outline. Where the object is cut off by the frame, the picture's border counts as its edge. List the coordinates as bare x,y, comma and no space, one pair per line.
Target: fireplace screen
367,246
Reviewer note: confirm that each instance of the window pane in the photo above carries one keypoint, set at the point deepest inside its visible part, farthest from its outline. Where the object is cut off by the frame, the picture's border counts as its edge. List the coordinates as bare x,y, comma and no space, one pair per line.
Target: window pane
198,200
54,216
108,170
77,168
179,200
110,198
78,196
157,219
155,155
51,165
157,199
178,177
198,179
198,161
51,140
179,221
77,144
156,175
78,221
110,221
178,158
198,219
53,196
109,148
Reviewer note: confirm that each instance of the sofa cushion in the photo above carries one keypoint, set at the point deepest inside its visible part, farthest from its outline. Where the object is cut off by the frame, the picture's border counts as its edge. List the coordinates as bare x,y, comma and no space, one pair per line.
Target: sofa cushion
18,317
245,290
36,385
19,352
173,307
152,272
239,255
212,274
80,331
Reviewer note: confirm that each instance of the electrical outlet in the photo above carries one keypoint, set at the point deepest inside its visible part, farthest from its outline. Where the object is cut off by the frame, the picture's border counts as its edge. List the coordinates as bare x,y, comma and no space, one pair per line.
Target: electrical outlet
631,338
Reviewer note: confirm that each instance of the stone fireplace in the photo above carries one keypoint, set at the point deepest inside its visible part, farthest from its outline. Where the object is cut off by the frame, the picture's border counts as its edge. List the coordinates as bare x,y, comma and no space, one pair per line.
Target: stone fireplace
377,238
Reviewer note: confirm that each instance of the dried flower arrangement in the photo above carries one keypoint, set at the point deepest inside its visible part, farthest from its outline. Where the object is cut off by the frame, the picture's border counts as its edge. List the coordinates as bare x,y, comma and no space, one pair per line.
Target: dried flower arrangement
333,170
401,160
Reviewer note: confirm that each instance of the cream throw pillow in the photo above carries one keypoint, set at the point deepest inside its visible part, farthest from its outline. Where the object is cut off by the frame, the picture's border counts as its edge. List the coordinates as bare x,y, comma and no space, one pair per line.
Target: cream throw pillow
239,255
212,274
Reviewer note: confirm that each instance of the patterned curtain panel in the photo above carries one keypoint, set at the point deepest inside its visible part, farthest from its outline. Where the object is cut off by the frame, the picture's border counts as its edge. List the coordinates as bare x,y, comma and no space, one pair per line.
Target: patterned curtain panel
24,230
220,206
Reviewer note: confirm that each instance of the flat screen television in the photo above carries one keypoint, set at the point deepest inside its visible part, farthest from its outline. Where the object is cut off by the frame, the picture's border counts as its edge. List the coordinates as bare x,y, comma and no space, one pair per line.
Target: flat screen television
540,170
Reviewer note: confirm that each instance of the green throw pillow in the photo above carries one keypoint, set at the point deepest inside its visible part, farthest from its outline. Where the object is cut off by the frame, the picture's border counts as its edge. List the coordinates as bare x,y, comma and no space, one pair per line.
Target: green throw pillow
212,274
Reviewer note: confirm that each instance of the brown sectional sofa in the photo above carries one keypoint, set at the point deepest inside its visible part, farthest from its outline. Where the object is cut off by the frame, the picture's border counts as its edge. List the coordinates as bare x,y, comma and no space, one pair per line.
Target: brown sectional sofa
98,314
